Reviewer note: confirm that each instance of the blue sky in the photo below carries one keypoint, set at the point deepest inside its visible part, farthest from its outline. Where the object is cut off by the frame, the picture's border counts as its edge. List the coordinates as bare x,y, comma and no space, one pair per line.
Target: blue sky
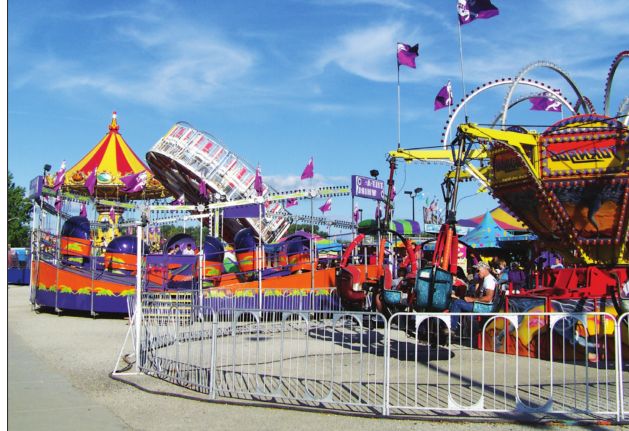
279,81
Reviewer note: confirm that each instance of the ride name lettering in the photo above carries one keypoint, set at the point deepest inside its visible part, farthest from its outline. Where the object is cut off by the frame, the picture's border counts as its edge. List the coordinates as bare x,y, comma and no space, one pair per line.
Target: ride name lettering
364,191
583,156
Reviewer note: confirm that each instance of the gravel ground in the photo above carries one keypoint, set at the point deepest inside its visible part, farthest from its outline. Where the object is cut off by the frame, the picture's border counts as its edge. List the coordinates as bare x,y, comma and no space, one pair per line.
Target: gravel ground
81,352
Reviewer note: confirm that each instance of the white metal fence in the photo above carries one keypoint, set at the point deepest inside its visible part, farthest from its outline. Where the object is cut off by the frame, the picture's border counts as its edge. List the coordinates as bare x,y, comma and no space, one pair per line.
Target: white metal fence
532,365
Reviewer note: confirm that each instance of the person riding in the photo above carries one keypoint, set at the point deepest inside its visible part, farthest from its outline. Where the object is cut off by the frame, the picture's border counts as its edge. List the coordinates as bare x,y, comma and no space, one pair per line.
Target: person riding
484,293
188,251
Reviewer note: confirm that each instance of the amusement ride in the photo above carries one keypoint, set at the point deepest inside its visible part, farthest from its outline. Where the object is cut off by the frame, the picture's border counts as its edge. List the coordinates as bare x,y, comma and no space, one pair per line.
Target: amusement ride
568,184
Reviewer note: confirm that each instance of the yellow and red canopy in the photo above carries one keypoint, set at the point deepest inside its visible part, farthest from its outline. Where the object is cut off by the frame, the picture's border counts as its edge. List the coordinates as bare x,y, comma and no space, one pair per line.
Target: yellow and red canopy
113,159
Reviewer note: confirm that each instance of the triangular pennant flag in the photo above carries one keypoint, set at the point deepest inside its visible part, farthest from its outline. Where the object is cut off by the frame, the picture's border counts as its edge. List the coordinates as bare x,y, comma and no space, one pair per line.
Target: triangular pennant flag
308,170
60,177
203,189
444,97
356,214
90,182
258,185
327,206
134,183
58,204
378,214
179,201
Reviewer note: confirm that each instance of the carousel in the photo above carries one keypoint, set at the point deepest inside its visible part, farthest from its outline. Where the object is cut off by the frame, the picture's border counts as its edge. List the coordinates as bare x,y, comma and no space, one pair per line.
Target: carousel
84,261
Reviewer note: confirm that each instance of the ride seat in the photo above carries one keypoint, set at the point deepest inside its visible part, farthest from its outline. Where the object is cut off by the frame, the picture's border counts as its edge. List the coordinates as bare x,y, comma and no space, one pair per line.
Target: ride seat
490,307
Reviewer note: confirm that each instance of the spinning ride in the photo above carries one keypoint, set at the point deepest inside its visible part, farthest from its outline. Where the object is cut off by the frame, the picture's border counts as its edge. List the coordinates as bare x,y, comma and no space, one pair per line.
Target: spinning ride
193,164
568,184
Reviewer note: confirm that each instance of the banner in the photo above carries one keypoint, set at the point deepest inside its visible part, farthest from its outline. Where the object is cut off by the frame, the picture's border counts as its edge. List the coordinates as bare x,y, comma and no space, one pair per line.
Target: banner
368,188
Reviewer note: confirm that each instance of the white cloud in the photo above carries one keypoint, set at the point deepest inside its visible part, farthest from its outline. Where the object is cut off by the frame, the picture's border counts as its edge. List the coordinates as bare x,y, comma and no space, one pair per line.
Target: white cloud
366,52
608,17
294,182
187,64
369,53
395,4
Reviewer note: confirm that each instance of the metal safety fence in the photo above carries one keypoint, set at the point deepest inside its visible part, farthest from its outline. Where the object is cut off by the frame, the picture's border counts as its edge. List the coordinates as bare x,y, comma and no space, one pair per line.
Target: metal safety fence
509,365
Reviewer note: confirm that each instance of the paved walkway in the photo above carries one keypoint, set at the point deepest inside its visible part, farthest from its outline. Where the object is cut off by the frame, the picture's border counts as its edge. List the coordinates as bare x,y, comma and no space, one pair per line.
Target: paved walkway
58,379
40,397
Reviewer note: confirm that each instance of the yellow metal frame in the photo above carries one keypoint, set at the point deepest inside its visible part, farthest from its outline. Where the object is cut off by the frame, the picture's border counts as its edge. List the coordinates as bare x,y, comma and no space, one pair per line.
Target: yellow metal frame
515,140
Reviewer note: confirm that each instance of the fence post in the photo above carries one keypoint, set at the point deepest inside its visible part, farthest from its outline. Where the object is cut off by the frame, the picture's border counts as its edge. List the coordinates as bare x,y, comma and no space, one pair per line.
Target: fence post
213,354
387,355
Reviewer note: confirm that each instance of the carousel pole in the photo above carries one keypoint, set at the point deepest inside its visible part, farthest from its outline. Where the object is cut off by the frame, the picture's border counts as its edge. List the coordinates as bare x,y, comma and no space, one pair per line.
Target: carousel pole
137,315
58,256
259,257
201,255
93,258
312,252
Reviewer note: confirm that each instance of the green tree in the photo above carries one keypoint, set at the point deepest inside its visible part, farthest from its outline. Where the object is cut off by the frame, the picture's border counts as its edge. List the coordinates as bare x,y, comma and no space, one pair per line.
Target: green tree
306,227
18,213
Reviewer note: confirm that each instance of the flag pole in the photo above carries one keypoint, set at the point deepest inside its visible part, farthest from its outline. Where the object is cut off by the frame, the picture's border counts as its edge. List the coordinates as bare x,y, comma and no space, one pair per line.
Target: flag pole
462,74
398,105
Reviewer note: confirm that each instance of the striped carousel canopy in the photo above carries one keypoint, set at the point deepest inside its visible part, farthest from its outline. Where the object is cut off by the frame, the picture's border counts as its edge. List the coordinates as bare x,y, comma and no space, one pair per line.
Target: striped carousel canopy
113,159
500,215
401,226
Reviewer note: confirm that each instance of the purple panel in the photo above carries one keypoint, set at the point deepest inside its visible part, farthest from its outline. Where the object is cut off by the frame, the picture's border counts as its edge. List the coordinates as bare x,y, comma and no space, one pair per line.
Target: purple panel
245,211
35,187
45,298
110,304
18,276
73,301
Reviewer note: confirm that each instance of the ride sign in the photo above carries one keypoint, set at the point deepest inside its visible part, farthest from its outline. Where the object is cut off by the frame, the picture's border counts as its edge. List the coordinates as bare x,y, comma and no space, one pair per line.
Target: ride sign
369,188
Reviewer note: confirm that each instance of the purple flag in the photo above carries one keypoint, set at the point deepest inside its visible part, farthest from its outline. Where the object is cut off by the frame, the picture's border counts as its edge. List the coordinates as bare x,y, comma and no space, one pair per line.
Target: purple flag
469,10
83,212
60,177
327,206
356,214
134,183
308,170
406,54
112,215
258,185
179,201
291,203
378,211
203,189
58,204
90,182
444,97
542,103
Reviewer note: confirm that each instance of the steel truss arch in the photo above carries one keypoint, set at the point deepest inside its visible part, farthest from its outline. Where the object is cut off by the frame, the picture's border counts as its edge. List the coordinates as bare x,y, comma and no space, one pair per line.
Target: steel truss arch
581,101
623,110
517,102
610,79
555,94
